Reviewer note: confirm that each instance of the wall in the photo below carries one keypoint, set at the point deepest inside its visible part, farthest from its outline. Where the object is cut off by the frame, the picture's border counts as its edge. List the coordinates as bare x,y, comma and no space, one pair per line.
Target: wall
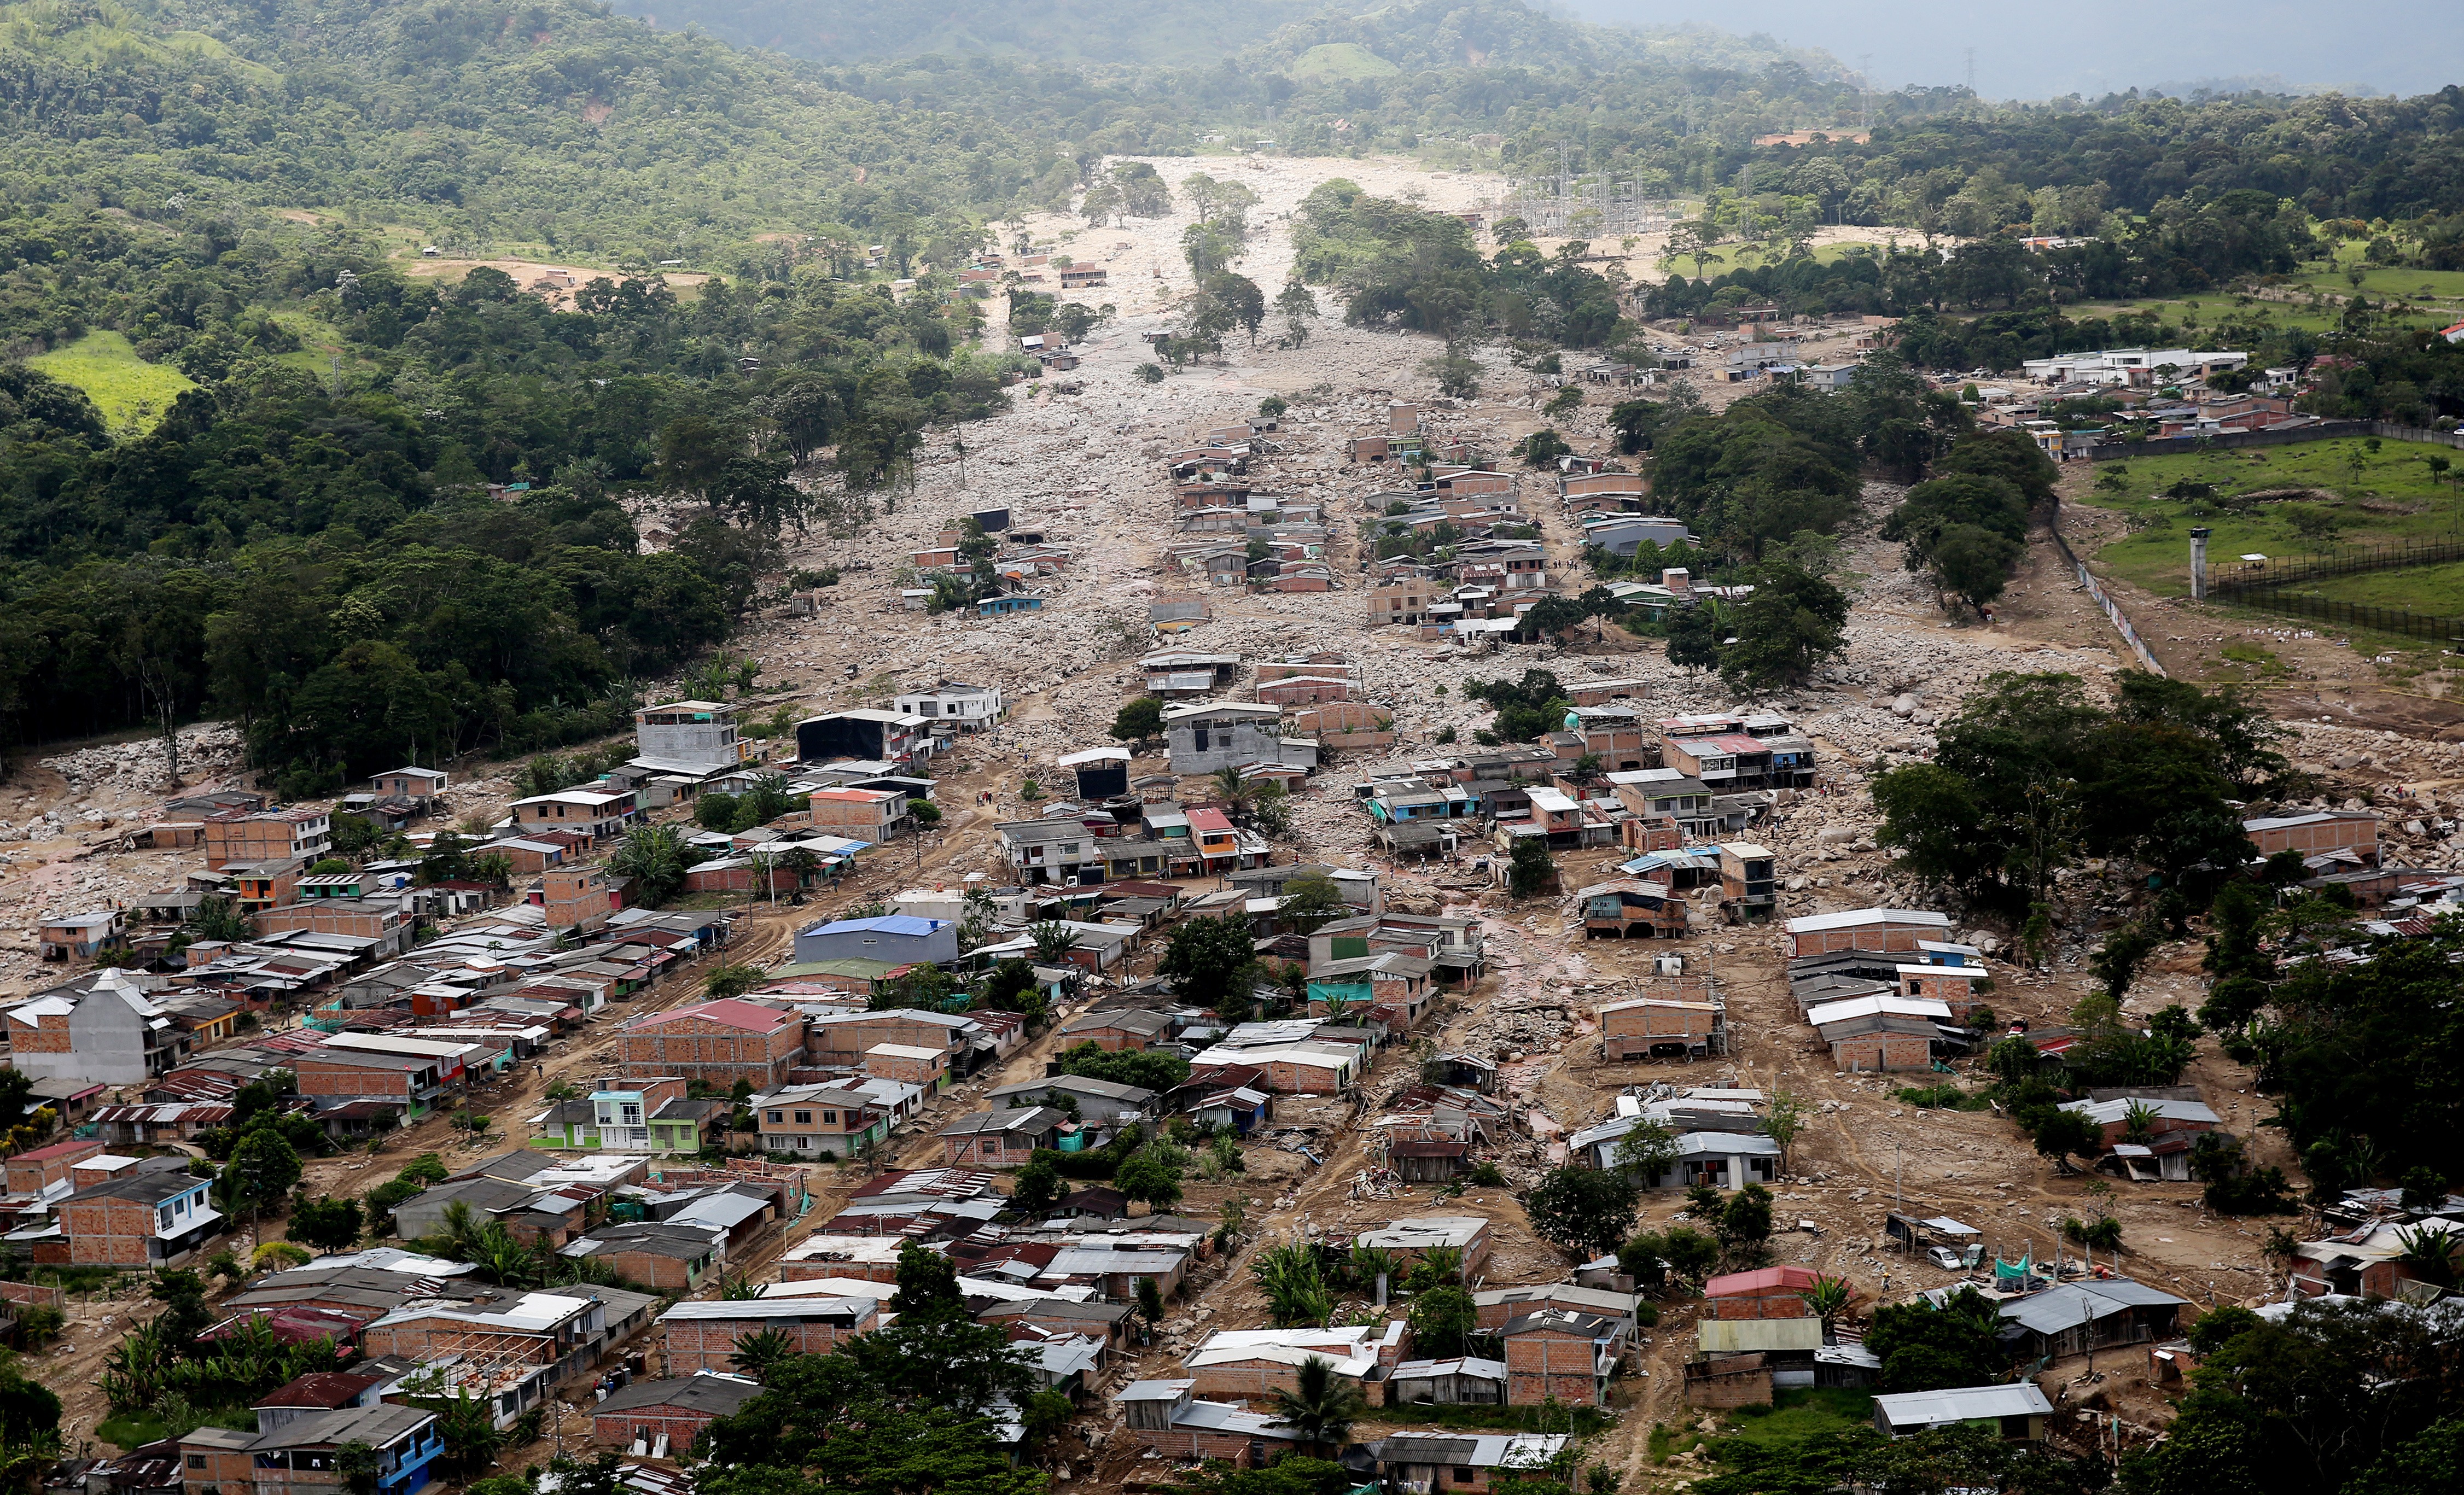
705,1344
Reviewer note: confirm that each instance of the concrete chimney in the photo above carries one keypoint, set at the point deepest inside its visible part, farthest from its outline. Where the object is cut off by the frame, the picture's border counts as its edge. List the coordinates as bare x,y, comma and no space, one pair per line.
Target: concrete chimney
2199,562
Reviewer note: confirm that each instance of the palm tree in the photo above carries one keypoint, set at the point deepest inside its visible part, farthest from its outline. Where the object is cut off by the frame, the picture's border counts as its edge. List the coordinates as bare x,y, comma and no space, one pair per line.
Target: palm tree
459,1241
758,1355
1321,1406
1054,939
2138,1122
1828,1298
2429,1254
1236,792
1296,1292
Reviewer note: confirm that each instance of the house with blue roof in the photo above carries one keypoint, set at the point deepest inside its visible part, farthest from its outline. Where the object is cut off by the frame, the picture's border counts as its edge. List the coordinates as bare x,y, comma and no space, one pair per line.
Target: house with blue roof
900,939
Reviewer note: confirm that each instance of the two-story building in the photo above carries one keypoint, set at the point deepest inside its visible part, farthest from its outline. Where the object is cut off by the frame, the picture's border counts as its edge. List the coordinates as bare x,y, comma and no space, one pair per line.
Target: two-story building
305,1455
599,814
237,836
718,1043
150,1221
952,706
652,1114
102,1028
823,1121
700,1336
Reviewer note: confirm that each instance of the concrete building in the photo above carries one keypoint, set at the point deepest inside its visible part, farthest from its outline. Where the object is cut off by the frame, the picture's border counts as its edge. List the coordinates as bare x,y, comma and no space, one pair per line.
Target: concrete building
950,705
238,836
689,738
144,1222
299,1456
870,737
102,1028
900,939
1206,736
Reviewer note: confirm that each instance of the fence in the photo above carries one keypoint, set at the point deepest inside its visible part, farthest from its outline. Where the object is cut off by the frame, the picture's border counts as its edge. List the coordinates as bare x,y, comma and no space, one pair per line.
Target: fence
2432,627
2112,609
32,1293
2259,576
2276,436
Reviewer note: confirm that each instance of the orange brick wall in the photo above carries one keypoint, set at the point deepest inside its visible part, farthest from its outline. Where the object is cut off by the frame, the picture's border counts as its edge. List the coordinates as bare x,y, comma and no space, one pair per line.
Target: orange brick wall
706,1344
697,1049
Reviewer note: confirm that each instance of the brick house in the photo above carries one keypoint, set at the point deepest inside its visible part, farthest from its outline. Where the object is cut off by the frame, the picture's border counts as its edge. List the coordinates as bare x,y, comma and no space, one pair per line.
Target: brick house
2163,1116
1891,931
908,1063
875,814
297,1456
575,898
595,814
1119,1030
716,1041
332,1077
142,1221
2316,834
835,1039
672,1259
239,836
1640,1025
380,919
1498,1306
1464,1463
31,1172
701,1335
1880,1041
1000,1139
859,1258
1250,1365
1567,1355
663,1417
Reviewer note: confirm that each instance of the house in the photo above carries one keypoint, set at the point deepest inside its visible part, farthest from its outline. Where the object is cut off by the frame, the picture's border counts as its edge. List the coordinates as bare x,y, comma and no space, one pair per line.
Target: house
98,1028
599,814
1627,906
860,814
2366,1262
1207,736
231,837
2162,1117
2317,834
575,898
33,1171
701,1334
1641,1027
1891,931
825,1121
1414,1238
670,1258
1560,1354
692,739
1096,1100
843,1038
950,705
333,1078
1498,1306
2074,1318
1390,977
148,1221
900,939
1250,1365
1173,1424
531,1341
871,737
297,1456
1765,1293
1425,1463
719,1043
662,1418
2016,1411
1730,1160
317,1392
639,1115
420,785
1003,1138
79,936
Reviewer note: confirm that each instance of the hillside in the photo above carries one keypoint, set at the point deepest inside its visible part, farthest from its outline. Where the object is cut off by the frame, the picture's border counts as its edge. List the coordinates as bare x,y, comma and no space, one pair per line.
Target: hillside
561,126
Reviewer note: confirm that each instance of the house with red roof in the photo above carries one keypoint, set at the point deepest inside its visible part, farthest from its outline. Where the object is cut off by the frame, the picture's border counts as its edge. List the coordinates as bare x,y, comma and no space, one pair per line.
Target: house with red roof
1769,1292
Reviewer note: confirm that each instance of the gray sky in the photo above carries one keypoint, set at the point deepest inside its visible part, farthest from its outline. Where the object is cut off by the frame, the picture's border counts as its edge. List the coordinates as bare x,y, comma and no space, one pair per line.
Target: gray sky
2091,47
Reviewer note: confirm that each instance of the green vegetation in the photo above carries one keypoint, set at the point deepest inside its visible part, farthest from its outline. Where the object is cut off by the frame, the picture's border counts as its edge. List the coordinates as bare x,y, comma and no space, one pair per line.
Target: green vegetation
132,394
2253,499
1341,59
1586,1421
1796,1416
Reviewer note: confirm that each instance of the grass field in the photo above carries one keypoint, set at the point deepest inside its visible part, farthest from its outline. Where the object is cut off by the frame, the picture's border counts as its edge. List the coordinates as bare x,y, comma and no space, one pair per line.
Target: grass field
131,393
2388,498
2381,282
1731,257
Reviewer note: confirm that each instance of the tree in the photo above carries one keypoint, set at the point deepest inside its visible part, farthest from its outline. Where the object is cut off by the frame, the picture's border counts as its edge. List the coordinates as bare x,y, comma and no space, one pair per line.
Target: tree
655,857
1443,1322
1150,1298
1299,308
1828,1298
1149,1179
1647,1153
2126,949
928,1284
1745,1222
1038,1186
760,1353
734,978
1241,300
221,919
1925,1348
467,1426
1587,1211
1139,721
1211,959
1532,870
1694,638
1146,1068
1320,1405
326,1221
1785,1121
1311,903
263,1168
2063,1135
1788,627
1054,939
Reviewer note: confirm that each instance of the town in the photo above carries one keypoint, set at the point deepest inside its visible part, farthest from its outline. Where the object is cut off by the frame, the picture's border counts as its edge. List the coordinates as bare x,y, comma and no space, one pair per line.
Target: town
1246,807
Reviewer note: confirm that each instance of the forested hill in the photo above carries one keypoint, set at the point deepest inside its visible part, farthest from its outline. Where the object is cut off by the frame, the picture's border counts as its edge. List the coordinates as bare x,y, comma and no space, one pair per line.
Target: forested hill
1270,35
558,124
